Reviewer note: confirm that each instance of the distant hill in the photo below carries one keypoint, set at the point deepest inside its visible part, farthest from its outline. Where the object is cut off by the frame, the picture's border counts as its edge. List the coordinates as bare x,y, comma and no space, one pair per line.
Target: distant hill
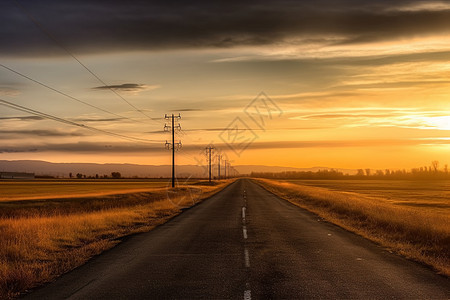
131,170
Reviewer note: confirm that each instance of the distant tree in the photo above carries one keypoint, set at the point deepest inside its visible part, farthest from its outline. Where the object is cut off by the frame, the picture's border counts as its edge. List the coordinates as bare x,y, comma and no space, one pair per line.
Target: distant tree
360,172
79,175
435,165
379,173
96,176
116,175
368,172
70,175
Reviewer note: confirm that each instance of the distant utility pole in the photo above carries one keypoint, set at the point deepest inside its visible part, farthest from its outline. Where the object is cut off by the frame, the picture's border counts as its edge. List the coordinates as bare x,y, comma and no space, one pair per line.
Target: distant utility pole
225,176
208,151
218,166
173,145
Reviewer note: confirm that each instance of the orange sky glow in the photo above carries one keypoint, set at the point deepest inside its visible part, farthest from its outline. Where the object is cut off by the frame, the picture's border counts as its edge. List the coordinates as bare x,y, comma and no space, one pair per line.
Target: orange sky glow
322,101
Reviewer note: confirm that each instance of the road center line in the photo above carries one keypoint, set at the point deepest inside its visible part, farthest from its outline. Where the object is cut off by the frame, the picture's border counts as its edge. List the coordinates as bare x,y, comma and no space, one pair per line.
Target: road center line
247,258
244,232
247,291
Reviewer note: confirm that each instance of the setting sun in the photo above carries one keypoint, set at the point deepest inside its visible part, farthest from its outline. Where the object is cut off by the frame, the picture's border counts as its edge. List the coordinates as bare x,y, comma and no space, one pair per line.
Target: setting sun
441,123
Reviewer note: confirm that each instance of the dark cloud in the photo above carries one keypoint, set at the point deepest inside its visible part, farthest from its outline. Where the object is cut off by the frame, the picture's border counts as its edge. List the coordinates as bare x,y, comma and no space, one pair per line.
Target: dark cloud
46,133
98,120
87,147
128,87
105,26
17,150
188,109
96,148
24,118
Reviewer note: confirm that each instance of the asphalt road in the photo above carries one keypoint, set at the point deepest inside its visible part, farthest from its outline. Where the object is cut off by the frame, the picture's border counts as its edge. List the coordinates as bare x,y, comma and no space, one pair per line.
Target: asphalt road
246,243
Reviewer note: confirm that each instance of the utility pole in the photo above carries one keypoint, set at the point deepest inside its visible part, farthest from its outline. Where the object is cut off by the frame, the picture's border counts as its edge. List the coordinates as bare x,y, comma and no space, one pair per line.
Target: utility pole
225,176
208,150
172,146
218,166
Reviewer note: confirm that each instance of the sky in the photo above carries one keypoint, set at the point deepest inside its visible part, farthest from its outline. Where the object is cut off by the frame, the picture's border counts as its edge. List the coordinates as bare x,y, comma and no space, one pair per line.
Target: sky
341,84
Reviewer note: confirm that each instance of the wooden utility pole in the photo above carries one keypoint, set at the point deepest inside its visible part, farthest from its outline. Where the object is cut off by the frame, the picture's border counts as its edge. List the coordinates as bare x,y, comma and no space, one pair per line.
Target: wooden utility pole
218,166
208,150
225,176
173,145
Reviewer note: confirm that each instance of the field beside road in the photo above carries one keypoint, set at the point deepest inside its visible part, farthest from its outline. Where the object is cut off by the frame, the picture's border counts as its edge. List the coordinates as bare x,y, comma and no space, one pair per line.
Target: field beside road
51,189
411,218
50,227
430,195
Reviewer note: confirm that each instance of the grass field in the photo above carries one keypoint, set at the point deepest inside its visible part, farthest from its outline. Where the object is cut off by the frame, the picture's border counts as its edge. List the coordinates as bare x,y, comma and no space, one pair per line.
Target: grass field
51,189
45,233
424,195
411,218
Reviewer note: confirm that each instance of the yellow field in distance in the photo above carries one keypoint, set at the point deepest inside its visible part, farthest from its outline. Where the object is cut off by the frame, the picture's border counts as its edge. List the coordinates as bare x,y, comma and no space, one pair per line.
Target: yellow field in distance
55,189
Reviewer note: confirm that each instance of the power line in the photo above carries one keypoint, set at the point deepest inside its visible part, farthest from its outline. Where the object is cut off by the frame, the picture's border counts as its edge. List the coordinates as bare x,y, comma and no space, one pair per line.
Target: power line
57,42
64,94
68,122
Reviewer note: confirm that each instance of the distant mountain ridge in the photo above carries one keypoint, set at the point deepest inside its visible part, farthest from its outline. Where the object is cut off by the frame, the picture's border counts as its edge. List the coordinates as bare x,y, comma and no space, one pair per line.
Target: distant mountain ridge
130,170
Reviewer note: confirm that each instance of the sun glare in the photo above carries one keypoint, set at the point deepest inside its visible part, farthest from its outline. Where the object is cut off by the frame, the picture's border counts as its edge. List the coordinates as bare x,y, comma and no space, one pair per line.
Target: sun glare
441,123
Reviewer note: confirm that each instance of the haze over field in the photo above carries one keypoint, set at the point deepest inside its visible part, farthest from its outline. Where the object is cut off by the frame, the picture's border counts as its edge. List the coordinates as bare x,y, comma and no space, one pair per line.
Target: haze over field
361,84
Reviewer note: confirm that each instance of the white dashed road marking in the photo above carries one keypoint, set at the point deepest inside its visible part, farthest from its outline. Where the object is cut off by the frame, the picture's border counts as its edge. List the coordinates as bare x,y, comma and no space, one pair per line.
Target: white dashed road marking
247,292
247,258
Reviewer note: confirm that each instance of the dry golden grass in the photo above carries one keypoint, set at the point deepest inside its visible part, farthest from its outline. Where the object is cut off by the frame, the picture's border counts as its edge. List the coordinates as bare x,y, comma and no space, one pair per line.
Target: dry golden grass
40,241
66,188
416,233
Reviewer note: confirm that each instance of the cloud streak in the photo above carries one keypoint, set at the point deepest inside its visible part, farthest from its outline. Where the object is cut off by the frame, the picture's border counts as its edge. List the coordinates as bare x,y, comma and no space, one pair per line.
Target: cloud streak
23,118
127,87
100,120
116,148
5,91
40,133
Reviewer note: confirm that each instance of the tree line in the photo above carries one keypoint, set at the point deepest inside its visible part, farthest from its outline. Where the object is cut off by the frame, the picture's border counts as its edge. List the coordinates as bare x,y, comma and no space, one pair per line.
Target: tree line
114,175
432,172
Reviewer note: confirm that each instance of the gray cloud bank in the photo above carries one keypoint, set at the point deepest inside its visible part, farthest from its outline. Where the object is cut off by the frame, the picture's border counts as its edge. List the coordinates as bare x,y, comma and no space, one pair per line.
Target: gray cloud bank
107,26
97,148
46,133
129,87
